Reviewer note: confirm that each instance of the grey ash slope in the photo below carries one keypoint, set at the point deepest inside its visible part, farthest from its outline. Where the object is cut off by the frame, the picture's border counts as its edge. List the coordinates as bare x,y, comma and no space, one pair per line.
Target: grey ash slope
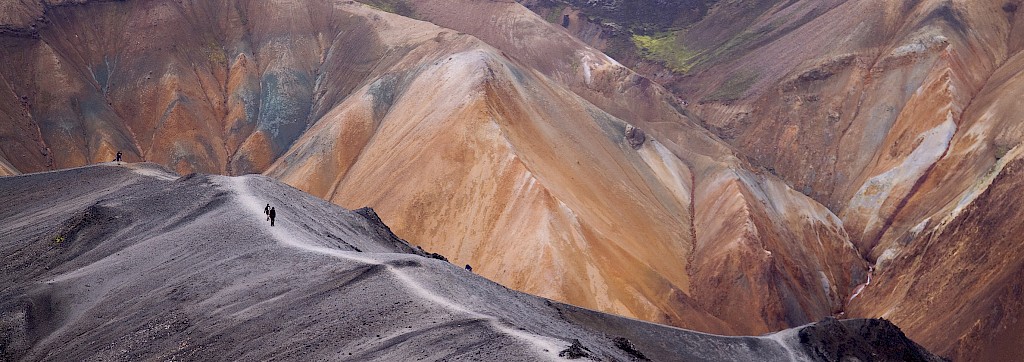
132,262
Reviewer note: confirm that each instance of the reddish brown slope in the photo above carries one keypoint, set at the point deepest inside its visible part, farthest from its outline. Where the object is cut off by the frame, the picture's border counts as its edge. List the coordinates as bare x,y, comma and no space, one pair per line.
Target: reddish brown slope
897,115
952,270
958,288
916,121
725,199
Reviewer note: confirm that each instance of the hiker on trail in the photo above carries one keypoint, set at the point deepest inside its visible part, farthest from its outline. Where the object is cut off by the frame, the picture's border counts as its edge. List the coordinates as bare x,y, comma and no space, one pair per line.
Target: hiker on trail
272,215
266,211
118,157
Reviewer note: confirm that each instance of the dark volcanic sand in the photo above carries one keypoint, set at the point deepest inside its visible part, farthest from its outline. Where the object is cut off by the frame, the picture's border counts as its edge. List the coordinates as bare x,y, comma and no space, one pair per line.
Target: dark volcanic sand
132,262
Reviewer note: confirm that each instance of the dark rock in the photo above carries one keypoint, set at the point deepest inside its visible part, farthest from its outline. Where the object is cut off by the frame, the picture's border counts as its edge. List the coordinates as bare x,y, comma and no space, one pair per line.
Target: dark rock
625,345
815,74
369,214
577,351
635,137
861,339
436,256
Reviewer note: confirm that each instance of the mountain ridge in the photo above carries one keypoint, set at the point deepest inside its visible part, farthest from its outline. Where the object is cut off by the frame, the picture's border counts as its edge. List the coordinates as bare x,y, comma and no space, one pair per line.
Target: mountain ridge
152,265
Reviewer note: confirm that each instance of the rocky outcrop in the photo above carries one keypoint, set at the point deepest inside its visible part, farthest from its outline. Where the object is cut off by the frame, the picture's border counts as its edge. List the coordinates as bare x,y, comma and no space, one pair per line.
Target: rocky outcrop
635,137
861,340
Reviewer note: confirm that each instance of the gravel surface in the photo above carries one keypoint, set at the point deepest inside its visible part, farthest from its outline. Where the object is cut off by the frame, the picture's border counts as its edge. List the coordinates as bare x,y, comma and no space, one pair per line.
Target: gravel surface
131,262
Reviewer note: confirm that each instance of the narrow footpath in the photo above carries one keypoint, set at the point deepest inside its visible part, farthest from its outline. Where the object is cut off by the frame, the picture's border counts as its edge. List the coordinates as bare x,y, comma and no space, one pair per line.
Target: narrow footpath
546,347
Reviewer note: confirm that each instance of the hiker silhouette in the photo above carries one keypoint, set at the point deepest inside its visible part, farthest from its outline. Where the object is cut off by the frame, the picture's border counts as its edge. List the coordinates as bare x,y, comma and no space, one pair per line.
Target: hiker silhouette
118,157
272,215
266,211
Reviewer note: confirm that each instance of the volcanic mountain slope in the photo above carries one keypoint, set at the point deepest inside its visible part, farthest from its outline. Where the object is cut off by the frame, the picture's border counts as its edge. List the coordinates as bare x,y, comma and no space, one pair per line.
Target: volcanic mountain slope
901,117
670,42
541,162
134,262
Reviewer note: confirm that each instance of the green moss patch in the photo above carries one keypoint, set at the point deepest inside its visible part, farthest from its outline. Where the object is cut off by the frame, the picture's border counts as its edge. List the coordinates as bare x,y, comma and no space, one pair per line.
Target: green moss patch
665,48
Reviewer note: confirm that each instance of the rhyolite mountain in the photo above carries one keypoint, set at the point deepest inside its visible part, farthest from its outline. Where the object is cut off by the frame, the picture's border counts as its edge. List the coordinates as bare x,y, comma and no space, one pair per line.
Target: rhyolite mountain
517,149
752,193
903,118
134,262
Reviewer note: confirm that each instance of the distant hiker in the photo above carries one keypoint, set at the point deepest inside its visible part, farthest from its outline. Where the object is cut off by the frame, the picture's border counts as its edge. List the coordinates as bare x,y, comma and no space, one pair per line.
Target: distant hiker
469,268
118,157
272,215
266,211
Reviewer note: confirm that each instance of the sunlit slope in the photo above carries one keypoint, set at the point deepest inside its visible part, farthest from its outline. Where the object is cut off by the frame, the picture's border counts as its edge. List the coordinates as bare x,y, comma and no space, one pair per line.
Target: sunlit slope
896,115
521,151
513,171
898,127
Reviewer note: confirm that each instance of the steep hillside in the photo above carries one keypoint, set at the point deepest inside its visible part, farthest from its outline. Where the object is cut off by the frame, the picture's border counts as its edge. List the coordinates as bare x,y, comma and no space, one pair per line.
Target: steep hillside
493,138
899,116
133,262
672,41
744,222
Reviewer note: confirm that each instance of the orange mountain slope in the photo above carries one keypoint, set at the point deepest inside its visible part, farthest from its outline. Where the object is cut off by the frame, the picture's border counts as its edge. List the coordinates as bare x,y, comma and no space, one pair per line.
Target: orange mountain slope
902,117
554,171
